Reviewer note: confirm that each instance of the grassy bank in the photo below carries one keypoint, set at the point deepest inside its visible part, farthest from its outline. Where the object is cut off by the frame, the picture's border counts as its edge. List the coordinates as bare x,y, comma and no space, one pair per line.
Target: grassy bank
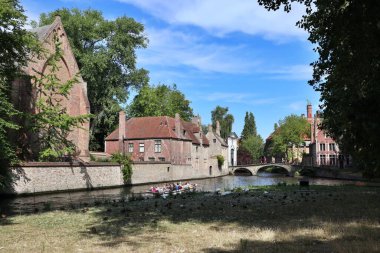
270,219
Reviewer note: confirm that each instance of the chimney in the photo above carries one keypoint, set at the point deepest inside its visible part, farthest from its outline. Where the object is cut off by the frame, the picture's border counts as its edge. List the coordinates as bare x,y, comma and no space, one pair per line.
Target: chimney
177,125
309,111
217,130
210,128
195,120
121,130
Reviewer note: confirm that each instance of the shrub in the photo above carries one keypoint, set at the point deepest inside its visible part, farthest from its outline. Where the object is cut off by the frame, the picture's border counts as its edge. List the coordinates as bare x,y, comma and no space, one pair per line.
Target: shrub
125,162
220,160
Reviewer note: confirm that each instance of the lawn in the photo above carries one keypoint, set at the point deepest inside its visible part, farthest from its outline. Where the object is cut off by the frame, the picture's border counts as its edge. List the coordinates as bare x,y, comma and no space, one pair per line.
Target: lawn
266,219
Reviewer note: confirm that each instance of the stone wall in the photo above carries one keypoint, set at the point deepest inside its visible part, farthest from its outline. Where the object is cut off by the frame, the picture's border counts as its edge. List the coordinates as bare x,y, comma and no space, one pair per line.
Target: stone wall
145,172
51,177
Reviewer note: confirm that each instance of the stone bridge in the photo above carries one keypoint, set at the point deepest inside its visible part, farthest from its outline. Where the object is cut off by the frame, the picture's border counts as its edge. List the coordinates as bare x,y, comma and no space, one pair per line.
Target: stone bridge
254,168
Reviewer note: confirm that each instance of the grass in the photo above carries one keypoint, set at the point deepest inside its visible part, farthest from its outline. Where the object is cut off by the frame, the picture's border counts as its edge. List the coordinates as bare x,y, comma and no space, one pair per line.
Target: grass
265,219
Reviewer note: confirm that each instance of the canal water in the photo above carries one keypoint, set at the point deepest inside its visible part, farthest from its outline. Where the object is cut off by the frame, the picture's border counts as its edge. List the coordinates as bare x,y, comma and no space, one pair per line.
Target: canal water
33,203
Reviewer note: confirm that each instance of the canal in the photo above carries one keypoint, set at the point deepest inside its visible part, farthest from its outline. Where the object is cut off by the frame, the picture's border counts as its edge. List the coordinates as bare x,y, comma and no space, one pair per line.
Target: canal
33,203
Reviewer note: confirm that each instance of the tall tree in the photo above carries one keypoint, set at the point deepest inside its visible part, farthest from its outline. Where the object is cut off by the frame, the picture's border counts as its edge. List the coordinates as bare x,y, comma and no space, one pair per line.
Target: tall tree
160,100
105,52
347,73
17,45
249,126
225,119
290,132
253,145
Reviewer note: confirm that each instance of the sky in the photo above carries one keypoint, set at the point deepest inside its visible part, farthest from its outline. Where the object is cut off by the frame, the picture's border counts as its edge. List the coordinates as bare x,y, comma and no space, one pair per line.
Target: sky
233,54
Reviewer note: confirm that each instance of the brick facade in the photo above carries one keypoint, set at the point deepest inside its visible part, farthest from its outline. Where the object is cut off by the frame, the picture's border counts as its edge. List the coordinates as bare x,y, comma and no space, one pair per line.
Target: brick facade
166,139
24,96
324,150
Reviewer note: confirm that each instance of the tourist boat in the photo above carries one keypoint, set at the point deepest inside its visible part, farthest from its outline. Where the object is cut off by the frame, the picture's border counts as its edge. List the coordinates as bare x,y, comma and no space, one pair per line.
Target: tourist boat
172,189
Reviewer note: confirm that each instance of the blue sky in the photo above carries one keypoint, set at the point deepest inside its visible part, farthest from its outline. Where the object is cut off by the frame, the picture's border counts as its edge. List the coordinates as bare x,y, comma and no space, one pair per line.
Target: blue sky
219,52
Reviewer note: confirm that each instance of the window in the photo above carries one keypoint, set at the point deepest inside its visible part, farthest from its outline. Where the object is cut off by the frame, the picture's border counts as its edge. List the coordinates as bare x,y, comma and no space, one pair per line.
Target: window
141,148
130,147
151,159
141,159
322,147
161,159
322,159
332,146
184,132
333,160
157,146
214,140
196,149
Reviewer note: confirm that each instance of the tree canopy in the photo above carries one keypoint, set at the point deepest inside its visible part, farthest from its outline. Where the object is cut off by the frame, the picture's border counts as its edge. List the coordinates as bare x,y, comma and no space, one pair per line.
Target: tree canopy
291,131
160,100
106,54
249,126
225,119
251,146
347,72
17,45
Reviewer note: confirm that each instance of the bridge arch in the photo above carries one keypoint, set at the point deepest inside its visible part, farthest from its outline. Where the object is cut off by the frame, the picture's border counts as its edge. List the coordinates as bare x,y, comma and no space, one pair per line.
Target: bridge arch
242,171
254,168
275,169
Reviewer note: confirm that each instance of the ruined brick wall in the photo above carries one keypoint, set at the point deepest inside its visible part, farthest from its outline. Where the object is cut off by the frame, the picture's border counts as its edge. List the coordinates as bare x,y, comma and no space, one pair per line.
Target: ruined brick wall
24,96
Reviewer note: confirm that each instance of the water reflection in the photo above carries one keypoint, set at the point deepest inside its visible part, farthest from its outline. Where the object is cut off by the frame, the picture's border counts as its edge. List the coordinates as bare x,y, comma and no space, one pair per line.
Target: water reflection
83,198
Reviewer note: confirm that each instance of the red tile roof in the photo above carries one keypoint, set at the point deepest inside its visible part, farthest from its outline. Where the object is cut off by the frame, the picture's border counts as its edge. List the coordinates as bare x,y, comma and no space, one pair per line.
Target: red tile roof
157,127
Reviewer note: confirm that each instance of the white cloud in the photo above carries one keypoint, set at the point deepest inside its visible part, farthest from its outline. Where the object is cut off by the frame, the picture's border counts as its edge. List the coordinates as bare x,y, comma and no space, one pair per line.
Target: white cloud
293,72
221,17
171,48
239,98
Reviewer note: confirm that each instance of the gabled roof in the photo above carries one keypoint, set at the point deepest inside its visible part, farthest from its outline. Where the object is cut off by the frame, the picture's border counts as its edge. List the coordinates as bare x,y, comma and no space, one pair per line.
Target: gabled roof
233,135
44,31
160,127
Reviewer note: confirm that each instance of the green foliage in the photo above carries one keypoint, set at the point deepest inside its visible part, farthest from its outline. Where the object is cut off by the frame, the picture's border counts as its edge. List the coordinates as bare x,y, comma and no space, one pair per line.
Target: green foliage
105,52
51,121
253,145
291,131
125,162
220,159
17,45
249,126
160,100
347,73
225,119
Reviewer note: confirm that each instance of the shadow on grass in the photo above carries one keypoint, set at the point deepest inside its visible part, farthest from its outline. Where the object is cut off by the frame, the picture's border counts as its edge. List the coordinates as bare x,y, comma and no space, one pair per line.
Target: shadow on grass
354,239
280,210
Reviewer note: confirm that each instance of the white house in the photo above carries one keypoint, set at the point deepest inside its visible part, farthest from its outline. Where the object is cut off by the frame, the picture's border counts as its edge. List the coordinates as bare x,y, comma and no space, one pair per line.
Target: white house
232,141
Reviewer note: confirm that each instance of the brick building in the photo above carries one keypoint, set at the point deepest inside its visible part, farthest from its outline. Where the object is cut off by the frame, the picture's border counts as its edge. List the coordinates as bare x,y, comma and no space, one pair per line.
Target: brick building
167,139
324,151
24,96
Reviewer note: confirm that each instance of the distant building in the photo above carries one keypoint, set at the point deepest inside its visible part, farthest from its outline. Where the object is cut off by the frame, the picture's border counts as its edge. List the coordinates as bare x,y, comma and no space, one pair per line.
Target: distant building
232,142
324,151
167,139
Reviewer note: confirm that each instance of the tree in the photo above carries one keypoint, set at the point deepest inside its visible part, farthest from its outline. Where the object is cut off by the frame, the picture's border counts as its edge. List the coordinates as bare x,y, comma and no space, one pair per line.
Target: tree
17,45
253,145
105,52
160,100
225,119
249,126
347,72
291,131
52,122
